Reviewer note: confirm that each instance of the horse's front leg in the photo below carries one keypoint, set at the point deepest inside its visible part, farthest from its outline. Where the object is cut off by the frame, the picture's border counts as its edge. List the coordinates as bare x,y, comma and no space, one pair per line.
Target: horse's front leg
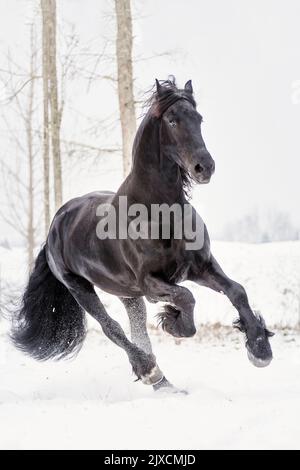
257,344
177,317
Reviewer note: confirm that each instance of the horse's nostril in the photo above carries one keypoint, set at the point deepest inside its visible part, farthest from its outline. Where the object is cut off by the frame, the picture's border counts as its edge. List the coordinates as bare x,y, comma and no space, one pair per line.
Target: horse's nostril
198,168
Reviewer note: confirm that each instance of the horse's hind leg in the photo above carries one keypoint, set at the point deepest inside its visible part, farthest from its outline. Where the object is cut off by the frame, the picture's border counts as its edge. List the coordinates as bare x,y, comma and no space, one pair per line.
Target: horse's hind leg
143,364
137,314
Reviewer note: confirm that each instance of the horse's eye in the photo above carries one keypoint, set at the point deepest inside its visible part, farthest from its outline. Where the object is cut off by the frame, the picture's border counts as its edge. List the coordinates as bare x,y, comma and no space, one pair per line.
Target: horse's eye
172,123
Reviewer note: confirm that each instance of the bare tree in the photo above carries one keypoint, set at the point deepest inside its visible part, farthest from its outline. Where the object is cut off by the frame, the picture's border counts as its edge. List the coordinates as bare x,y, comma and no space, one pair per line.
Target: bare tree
20,210
30,151
125,79
46,131
56,112
48,8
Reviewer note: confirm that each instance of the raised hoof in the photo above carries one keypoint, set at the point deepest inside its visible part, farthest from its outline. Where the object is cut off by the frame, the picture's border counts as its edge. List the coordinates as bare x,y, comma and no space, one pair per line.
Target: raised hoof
259,350
257,362
164,386
177,323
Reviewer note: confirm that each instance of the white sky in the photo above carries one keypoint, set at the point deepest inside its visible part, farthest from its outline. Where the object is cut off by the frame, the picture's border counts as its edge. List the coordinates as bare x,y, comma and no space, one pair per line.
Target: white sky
243,58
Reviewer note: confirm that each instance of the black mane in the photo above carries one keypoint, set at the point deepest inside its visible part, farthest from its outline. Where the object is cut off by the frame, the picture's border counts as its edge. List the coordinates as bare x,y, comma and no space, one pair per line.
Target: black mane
168,95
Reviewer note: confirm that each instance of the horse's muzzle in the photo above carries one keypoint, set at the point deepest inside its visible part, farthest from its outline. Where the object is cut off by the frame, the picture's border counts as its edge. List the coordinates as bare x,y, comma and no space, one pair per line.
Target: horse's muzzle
204,169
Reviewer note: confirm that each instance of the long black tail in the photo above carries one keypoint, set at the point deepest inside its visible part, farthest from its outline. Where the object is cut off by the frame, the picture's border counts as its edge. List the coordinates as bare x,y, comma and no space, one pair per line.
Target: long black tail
50,323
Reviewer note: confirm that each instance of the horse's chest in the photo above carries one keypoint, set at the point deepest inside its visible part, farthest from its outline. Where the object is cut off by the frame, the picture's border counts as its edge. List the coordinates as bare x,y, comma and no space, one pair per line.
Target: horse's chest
179,272
174,264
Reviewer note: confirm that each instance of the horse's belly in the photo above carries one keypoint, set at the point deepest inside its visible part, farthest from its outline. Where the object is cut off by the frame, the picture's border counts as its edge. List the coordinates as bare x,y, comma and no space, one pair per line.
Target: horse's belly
108,272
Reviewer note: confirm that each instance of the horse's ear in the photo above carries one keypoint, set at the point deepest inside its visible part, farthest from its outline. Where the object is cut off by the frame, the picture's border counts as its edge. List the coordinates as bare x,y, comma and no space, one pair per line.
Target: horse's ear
158,87
188,87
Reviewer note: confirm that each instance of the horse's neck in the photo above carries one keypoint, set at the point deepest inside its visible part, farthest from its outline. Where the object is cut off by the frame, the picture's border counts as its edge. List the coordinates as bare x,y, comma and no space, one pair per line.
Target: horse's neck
154,176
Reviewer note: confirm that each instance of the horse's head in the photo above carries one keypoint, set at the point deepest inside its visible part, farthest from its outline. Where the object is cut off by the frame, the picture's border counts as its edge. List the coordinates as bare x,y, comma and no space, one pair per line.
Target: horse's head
181,133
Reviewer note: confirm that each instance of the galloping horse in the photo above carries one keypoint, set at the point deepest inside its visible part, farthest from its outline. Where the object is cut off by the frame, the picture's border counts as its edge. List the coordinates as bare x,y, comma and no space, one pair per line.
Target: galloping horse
169,154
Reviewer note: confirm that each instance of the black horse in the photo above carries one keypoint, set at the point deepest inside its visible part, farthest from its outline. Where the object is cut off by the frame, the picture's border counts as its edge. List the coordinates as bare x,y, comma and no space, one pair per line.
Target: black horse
169,154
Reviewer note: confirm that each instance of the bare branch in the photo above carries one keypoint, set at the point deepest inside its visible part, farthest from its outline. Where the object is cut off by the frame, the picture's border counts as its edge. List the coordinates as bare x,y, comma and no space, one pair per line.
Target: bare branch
15,224
91,147
14,175
10,98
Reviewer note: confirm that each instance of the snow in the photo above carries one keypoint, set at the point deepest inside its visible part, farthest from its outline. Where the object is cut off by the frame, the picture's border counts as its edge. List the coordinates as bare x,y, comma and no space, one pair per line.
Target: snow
92,402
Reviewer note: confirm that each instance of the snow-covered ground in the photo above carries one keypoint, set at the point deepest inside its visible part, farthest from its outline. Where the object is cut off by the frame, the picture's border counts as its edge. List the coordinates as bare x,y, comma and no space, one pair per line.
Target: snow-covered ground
92,401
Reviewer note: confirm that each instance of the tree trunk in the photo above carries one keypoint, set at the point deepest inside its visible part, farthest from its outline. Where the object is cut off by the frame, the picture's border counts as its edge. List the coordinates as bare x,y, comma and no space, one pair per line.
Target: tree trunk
29,136
55,112
125,79
46,146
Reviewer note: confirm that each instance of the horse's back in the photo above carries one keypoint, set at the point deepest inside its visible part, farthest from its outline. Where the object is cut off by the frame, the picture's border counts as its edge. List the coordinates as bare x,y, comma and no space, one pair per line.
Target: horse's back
95,197
74,247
